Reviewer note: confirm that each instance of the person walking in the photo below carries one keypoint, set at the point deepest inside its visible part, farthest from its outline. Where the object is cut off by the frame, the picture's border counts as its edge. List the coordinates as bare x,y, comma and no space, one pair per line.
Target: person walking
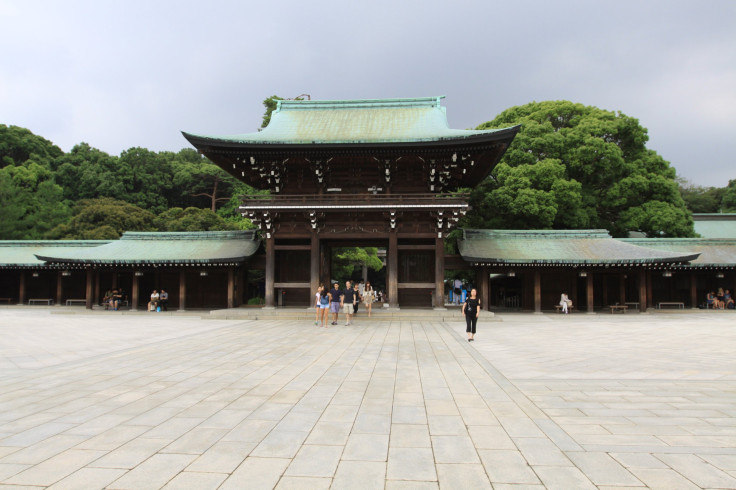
471,312
335,302
323,306
368,297
349,297
318,312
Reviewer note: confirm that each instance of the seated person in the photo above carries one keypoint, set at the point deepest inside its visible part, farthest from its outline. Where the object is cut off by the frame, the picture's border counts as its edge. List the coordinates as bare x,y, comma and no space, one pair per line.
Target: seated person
710,300
719,299
115,299
728,300
106,298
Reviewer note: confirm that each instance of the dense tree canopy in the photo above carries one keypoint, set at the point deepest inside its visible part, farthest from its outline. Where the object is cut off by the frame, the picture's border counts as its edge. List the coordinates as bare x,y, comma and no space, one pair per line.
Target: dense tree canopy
575,166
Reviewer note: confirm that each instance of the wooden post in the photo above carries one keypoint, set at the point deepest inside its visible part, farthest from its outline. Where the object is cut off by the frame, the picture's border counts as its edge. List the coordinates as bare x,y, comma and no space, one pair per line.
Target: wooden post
230,287
589,290
642,290
240,295
693,290
59,287
97,296
622,288
537,291
270,271
89,301
484,288
182,290
134,294
314,265
650,296
393,270
22,288
604,287
439,273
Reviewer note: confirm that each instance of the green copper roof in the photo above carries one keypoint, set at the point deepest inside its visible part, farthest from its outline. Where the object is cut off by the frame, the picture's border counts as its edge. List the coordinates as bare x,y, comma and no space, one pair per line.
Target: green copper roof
715,225
558,247
22,253
208,247
354,121
714,252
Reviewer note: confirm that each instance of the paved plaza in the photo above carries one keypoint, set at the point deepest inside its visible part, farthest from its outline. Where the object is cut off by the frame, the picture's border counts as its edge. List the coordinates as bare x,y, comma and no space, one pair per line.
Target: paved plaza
138,401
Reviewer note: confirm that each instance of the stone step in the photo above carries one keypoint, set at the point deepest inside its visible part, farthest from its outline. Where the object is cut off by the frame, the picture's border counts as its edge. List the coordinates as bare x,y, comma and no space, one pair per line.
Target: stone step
378,314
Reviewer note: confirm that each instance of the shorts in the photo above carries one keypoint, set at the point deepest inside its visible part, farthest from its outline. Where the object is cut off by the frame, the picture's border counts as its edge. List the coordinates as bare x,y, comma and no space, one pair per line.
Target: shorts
323,307
335,307
349,309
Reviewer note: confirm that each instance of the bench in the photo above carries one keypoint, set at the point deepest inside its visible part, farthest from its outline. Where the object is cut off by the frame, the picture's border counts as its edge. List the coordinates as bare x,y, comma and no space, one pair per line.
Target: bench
7,300
621,308
558,308
633,304
47,301
670,303
70,302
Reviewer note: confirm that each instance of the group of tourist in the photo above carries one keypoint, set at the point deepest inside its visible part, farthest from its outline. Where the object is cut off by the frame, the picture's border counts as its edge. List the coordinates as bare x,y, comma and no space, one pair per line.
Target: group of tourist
112,299
720,300
348,299
159,301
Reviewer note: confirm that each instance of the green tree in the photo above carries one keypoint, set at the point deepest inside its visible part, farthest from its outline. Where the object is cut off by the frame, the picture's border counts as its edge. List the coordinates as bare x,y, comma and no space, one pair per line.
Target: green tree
19,144
31,204
192,219
345,260
104,219
701,199
576,166
728,202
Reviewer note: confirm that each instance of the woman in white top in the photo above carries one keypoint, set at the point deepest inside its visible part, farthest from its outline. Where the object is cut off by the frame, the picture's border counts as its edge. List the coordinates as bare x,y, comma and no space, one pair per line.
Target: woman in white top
154,301
563,302
368,297
318,314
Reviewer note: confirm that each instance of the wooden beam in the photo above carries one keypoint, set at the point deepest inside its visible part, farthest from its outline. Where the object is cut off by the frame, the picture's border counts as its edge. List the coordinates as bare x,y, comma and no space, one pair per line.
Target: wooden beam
292,247
287,285
59,287
693,290
393,270
589,293
439,273
182,290
642,290
230,287
134,294
22,288
270,272
88,298
537,291
314,264
421,247
416,285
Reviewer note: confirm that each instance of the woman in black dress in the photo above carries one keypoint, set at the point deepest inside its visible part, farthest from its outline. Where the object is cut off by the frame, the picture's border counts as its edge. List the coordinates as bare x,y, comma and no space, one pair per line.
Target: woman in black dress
471,311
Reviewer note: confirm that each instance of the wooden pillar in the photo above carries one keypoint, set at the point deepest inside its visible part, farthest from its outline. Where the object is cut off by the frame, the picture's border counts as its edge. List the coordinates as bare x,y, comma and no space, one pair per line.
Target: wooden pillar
622,288
59,287
693,290
270,271
650,297
314,265
134,294
589,292
89,299
241,286
231,287
643,290
604,291
97,296
537,291
393,270
439,273
182,290
22,288
484,288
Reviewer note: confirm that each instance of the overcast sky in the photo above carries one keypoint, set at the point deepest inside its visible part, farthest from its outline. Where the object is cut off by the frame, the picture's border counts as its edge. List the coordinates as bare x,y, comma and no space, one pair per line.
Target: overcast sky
119,74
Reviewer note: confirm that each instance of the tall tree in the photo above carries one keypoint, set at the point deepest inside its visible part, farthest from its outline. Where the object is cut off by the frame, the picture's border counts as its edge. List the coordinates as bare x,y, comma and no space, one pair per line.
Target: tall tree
577,166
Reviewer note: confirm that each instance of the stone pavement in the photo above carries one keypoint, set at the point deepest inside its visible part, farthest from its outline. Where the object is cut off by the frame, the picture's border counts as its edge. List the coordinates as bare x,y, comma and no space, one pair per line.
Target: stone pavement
105,400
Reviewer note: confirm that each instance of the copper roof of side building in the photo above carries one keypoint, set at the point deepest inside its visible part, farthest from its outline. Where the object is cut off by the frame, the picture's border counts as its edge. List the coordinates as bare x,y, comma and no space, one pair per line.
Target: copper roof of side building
355,122
559,247
175,248
713,252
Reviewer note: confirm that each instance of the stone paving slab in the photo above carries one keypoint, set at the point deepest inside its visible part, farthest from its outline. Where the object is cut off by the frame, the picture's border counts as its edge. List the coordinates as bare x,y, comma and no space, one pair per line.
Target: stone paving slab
537,401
